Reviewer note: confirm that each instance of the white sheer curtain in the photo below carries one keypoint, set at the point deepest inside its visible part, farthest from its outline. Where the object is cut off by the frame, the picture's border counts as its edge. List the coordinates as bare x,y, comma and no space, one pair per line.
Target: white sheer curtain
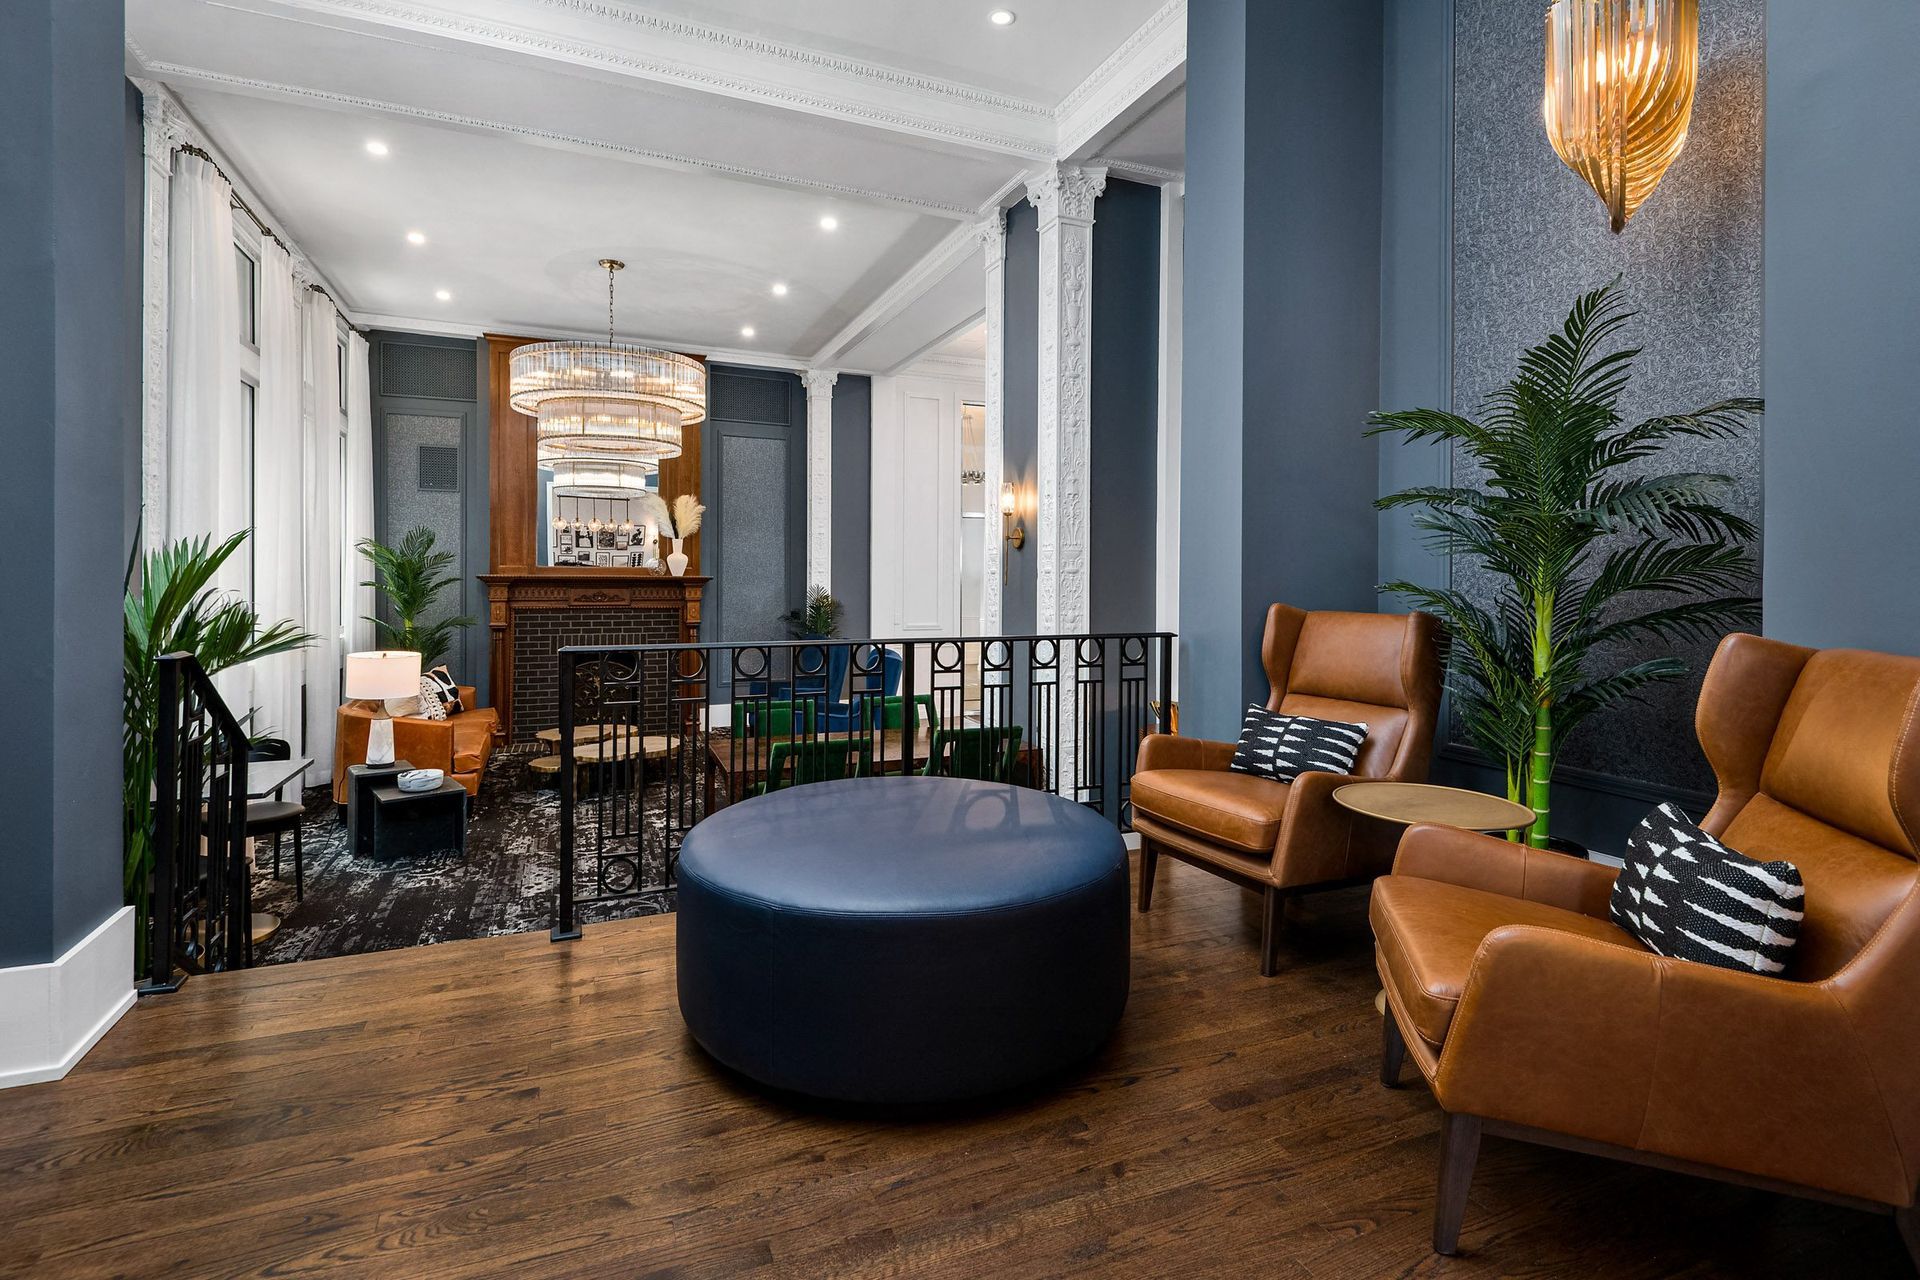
206,451
206,447
279,463
320,512
359,504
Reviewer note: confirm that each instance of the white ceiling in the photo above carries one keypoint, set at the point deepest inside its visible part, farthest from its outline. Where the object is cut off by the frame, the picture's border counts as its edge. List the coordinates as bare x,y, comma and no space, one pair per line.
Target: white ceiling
702,143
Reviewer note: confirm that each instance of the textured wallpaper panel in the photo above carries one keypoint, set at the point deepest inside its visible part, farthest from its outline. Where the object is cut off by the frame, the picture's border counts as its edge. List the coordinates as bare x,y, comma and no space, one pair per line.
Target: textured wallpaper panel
409,505
1529,237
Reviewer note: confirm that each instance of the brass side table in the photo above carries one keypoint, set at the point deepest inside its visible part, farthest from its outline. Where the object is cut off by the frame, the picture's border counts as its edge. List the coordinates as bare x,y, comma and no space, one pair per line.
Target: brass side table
1406,803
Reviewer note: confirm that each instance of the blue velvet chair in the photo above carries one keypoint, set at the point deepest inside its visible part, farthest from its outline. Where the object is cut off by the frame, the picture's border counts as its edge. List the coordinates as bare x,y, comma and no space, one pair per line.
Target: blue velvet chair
843,717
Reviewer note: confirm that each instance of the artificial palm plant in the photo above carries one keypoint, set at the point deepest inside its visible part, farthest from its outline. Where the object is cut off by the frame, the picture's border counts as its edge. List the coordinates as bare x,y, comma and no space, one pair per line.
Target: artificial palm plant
818,619
175,608
411,576
1589,547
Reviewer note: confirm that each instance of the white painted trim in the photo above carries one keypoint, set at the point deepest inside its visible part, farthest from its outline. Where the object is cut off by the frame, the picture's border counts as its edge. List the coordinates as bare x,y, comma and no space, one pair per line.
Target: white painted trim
819,384
941,261
51,1014
993,243
1166,578
1065,197
1151,174
915,523
1144,69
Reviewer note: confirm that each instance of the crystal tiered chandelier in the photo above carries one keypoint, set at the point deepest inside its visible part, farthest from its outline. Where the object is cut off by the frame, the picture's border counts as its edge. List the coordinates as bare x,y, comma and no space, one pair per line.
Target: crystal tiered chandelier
1620,81
611,399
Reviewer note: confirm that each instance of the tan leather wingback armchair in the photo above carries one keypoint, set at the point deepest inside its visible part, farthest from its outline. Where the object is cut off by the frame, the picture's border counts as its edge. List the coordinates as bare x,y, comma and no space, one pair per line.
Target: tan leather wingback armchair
458,746
1532,1016
1281,839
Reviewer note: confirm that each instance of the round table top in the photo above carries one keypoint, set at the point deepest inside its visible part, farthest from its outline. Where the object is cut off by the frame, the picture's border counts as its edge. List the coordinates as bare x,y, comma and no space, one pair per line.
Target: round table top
902,846
1411,802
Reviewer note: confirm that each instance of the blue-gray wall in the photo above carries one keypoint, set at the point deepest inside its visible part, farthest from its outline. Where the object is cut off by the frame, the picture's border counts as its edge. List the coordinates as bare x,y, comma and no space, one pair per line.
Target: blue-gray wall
1020,397
853,502
753,482
1842,324
64,276
1125,405
1282,308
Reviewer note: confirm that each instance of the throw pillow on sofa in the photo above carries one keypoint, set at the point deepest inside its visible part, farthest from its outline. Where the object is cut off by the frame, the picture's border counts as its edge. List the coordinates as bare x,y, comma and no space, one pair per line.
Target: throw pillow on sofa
430,705
448,688
1684,894
1283,747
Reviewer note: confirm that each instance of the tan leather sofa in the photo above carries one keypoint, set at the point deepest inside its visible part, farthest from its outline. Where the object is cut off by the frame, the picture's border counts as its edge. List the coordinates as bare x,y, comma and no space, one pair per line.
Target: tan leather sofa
1281,839
1532,1016
459,746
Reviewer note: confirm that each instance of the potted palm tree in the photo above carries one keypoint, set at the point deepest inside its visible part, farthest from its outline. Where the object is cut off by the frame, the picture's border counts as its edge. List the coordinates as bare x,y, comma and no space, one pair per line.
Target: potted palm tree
174,608
1589,544
411,576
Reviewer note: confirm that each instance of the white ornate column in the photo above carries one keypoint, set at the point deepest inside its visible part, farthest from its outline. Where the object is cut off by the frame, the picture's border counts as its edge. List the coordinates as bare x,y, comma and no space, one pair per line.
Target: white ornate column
1065,197
819,384
993,240
166,128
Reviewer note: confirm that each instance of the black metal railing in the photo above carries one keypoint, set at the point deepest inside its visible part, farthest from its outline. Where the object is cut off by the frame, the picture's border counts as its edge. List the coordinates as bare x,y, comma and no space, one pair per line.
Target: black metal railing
652,738
200,899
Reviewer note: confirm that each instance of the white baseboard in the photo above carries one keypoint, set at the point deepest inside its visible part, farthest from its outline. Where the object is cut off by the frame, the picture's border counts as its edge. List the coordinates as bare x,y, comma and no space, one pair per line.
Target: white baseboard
51,1014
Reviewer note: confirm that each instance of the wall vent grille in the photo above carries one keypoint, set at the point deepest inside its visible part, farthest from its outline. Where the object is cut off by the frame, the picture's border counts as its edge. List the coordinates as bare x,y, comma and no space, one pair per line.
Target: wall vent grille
439,469
427,372
744,397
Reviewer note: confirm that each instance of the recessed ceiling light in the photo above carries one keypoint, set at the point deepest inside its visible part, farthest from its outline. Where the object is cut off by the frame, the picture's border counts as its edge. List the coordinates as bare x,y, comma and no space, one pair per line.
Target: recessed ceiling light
416,237
375,147
747,331
443,295
1001,17
829,223
779,289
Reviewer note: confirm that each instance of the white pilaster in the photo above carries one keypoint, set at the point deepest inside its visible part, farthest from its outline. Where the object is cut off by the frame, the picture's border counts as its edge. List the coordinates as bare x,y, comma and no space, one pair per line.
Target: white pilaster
1065,197
819,383
993,241
166,128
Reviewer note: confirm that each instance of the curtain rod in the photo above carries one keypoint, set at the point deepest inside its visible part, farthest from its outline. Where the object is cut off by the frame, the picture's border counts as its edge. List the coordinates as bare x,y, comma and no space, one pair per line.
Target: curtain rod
233,194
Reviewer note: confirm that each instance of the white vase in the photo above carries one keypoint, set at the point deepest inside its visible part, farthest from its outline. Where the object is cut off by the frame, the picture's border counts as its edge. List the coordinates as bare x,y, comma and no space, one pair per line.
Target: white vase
677,558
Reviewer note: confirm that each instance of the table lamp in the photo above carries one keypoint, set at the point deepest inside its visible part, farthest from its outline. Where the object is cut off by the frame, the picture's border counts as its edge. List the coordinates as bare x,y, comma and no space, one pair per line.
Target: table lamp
374,677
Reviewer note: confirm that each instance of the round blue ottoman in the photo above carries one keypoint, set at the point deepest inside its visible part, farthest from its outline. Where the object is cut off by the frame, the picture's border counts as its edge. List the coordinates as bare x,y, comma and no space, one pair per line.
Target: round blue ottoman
902,940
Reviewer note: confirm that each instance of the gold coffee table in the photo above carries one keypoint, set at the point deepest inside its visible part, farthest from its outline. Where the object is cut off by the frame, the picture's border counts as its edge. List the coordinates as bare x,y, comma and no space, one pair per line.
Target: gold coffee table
1409,802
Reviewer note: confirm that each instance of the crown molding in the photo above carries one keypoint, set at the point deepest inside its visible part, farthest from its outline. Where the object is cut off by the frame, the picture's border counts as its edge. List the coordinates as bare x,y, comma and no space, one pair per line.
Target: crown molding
1152,58
1133,171
177,73
940,262
440,327
710,59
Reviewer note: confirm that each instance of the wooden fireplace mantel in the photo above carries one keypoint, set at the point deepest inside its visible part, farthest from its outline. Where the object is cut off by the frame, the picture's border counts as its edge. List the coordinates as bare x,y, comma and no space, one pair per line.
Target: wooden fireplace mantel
512,595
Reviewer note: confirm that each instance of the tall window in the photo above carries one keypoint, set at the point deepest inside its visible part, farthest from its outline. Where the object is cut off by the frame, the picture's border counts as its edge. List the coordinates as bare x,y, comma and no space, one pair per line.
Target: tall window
247,271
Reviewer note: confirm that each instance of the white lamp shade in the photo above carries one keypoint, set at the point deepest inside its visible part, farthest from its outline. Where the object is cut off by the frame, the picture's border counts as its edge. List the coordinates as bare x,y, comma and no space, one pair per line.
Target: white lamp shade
383,673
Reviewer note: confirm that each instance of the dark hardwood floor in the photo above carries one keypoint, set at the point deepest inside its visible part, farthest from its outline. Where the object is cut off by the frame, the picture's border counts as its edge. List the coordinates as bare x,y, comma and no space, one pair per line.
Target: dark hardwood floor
509,1107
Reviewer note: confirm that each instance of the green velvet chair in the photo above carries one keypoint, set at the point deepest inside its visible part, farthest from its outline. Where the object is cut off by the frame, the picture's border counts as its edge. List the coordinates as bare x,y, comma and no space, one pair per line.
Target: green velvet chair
774,717
893,714
987,753
794,764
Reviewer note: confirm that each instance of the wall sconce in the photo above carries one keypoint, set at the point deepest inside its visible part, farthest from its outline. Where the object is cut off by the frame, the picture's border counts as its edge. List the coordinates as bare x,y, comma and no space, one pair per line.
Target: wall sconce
1619,93
1015,536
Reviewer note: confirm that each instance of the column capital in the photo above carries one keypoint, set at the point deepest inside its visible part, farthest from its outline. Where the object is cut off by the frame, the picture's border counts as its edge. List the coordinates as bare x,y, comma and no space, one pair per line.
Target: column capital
1067,192
819,381
991,231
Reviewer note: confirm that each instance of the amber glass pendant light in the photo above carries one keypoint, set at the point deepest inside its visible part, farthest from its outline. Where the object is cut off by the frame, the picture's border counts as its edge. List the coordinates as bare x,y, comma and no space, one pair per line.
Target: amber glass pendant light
1620,81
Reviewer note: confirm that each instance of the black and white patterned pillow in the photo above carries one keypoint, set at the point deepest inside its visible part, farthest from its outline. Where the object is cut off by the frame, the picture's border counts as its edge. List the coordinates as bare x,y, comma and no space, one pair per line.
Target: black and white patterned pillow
429,706
1284,747
448,689
1686,895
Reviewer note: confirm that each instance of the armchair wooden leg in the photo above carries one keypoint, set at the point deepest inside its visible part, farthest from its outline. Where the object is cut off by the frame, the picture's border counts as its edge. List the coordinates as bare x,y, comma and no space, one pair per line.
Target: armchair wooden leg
1393,1051
1149,863
1273,907
299,873
1459,1149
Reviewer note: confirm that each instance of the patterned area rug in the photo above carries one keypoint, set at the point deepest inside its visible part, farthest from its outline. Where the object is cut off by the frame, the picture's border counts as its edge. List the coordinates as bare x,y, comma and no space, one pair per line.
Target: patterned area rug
505,884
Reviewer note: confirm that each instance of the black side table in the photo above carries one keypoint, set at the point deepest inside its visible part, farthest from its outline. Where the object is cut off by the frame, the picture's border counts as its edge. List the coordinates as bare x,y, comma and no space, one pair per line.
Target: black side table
361,780
407,824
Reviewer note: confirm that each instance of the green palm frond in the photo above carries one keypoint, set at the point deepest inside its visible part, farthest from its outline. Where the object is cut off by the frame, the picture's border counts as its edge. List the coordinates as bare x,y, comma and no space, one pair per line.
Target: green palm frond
412,575
1587,547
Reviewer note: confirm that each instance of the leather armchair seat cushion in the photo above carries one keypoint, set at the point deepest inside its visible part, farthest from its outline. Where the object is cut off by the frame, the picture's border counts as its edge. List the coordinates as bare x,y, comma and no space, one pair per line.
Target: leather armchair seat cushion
473,739
902,940
1427,933
1235,809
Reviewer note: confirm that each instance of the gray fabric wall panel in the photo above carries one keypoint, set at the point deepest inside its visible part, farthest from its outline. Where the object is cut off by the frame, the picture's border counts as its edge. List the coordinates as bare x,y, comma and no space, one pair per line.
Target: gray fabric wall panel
1529,236
754,484
752,529
1020,392
853,502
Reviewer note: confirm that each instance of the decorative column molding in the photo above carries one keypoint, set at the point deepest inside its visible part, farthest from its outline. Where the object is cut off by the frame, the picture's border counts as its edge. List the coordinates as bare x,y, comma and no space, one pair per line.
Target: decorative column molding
166,128
819,383
993,240
1065,197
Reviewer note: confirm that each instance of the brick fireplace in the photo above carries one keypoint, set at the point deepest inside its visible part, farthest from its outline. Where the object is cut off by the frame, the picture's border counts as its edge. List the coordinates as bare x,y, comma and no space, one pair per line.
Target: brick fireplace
534,615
